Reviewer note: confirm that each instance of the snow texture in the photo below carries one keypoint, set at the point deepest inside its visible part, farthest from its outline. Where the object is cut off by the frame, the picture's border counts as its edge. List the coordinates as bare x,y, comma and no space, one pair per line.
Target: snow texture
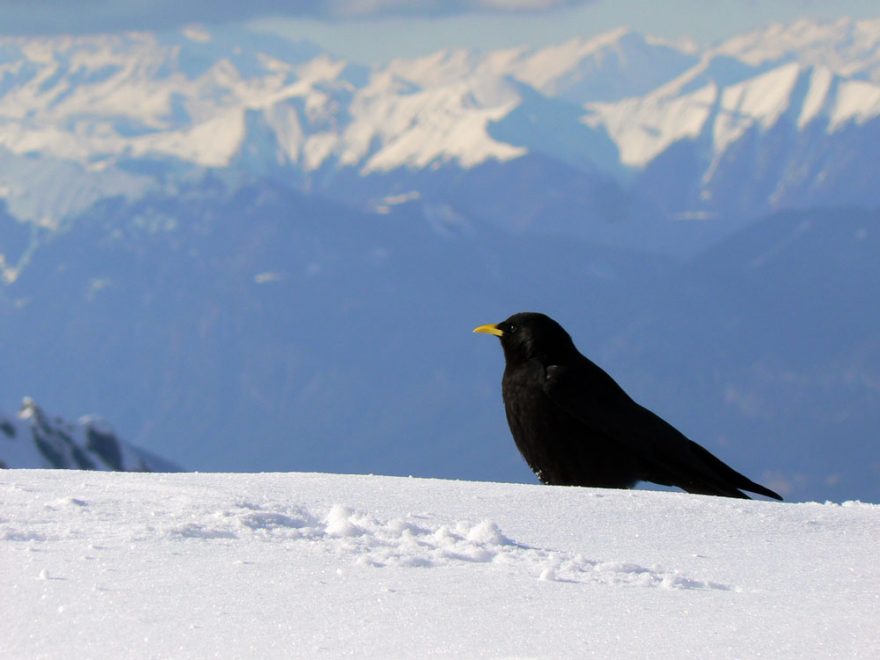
285,565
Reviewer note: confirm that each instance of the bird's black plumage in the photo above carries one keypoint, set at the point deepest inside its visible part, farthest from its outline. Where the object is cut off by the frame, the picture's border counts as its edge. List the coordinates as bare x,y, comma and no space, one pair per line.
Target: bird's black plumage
575,426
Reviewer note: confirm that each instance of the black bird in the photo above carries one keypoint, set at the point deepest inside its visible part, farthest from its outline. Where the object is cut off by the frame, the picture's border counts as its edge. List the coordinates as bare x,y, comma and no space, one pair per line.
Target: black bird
575,426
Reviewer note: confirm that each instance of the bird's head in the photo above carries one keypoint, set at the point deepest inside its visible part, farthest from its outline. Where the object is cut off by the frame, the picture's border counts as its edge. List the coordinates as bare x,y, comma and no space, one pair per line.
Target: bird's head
530,335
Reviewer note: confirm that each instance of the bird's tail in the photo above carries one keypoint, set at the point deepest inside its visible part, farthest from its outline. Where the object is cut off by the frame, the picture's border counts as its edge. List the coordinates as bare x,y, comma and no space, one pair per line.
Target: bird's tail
724,480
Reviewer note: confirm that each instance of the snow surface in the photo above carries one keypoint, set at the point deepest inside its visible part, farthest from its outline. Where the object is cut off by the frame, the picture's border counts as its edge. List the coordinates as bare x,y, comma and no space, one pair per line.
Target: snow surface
295,565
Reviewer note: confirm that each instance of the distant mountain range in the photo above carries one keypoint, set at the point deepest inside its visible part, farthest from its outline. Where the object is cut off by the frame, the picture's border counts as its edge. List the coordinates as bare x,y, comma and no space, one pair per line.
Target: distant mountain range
252,255
774,119
33,439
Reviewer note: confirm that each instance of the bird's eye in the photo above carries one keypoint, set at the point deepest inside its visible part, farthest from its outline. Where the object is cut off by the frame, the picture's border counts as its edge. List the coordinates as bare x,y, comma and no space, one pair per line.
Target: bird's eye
512,328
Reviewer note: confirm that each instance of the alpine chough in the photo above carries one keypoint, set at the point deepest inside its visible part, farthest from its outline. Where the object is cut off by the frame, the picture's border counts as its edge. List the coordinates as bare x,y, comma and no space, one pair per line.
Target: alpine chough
575,426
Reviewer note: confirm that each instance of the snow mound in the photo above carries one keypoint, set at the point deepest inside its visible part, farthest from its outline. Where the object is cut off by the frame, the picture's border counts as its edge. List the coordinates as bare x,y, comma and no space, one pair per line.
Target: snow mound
416,541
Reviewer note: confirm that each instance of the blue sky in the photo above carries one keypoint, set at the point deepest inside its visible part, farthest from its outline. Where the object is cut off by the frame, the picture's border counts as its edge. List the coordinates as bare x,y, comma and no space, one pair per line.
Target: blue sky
373,30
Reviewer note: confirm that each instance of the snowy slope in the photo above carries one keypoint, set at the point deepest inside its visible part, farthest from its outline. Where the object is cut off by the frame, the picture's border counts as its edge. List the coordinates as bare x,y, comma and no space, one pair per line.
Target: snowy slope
619,64
847,46
31,439
704,101
305,565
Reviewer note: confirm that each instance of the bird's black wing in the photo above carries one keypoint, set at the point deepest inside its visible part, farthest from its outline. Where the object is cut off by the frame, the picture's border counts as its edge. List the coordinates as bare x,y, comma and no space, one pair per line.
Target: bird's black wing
666,455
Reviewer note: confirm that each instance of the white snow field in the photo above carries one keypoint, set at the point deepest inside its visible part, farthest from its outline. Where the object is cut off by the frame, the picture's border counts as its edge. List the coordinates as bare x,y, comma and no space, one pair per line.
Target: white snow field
119,565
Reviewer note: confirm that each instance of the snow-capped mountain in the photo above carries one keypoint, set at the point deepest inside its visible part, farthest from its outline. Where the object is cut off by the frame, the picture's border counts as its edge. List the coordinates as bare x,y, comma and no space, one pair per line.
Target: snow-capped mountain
793,136
846,46
33,439
609,67
669,131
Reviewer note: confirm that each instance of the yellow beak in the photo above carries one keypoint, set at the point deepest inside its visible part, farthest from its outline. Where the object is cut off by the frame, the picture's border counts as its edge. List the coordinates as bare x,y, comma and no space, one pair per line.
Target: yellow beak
489,329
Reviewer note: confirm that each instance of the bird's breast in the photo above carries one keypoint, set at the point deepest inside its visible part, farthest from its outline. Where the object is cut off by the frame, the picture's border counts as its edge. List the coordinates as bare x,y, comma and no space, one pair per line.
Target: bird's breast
560,448
534,420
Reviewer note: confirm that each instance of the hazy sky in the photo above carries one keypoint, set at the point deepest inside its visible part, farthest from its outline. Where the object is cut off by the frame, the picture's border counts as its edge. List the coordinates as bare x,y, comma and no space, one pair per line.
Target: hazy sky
371,30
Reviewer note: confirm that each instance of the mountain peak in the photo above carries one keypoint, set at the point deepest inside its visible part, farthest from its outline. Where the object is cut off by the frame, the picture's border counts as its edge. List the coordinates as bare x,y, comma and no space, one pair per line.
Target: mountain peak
847,46
33,439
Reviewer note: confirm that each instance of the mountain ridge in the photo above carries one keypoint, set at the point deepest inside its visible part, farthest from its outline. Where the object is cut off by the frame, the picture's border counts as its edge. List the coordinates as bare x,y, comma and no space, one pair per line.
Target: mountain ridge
34,440
89,110
338,340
